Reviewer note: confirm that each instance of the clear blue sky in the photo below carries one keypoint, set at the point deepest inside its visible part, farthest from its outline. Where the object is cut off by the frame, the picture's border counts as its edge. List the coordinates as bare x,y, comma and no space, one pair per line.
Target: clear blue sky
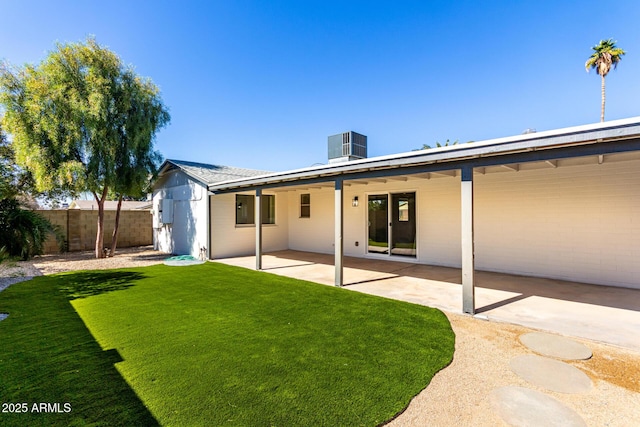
261,84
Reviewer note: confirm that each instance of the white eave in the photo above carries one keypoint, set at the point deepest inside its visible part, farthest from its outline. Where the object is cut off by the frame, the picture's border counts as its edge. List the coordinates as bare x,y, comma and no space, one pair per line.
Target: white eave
566,137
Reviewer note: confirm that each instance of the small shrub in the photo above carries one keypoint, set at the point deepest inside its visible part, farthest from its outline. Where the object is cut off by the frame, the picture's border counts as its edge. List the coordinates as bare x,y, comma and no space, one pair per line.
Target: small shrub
23,232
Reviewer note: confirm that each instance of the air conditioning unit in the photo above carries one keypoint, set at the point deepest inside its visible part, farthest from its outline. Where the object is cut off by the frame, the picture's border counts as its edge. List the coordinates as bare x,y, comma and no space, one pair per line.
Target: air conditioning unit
347,146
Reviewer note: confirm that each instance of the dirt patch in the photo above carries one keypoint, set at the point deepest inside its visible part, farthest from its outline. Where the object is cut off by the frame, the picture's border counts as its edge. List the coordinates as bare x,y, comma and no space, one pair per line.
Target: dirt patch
615,367
71,261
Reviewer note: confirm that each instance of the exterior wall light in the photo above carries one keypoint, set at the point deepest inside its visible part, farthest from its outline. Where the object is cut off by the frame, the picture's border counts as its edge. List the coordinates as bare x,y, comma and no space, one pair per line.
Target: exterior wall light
354,202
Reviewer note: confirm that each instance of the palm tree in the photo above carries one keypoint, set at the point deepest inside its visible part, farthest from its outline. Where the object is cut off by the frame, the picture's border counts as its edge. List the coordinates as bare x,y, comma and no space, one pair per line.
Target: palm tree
605,54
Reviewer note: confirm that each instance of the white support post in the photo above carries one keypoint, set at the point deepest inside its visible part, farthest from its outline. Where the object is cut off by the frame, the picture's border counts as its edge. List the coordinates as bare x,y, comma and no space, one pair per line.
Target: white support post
258,221
468,262
339,246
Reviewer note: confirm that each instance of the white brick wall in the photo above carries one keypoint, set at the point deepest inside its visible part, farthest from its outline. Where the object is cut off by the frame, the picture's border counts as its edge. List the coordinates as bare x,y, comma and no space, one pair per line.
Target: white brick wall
316,233
439,222
229,240
579,223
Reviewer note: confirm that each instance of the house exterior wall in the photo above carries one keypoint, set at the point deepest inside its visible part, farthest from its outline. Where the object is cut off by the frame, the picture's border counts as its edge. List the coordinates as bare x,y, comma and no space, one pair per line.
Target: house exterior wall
439,228
579,223
437,210
316,233
187,232
229,239
437,224
576,222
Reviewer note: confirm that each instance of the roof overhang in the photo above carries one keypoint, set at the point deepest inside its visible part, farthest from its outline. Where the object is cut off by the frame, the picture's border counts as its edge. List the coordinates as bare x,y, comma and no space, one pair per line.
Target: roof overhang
168,166
595,139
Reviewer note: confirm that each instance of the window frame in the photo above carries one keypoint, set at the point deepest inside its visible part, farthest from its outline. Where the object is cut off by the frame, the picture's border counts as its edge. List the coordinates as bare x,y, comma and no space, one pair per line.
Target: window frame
248,216
267,209
305,206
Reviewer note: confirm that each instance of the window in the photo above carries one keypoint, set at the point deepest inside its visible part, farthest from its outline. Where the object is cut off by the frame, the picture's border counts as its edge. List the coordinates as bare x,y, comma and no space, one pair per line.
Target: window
268,209
305,206
245,209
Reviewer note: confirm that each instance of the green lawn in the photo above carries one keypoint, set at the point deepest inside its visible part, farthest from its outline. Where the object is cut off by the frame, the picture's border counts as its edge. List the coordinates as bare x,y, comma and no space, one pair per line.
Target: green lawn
212,345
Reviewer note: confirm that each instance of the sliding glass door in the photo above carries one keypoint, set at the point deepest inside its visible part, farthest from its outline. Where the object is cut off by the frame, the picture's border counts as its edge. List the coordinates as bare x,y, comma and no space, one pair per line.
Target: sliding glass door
392,226
378,224
403,224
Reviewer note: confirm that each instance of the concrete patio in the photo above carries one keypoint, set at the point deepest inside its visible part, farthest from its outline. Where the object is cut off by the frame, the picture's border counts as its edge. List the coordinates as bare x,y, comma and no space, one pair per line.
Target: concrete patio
606,314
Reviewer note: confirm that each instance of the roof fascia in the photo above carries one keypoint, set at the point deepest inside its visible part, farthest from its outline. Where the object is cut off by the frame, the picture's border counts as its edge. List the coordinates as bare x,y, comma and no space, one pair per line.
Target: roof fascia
523,155
567,136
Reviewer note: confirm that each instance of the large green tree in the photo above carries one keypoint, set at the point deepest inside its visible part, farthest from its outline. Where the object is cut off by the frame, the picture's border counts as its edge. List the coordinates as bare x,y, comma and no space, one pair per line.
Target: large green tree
605,55
83,121
136,161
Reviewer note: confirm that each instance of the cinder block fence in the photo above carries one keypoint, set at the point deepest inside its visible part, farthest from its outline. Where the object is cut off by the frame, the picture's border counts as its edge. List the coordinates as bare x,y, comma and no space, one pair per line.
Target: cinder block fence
80,227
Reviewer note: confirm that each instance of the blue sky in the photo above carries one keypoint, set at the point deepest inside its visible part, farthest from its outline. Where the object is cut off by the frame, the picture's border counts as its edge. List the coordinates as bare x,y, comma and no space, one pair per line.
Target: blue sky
261,84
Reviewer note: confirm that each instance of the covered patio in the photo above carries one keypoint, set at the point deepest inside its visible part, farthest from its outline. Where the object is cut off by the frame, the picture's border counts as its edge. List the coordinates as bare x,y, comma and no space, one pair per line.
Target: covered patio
601,313
560,204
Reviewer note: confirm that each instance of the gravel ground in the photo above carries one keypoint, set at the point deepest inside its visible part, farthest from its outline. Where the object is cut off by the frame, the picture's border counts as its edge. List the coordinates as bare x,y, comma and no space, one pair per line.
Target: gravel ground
459,394
14,272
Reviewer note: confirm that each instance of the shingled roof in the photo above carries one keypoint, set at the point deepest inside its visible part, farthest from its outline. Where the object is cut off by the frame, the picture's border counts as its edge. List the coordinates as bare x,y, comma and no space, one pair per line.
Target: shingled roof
209,174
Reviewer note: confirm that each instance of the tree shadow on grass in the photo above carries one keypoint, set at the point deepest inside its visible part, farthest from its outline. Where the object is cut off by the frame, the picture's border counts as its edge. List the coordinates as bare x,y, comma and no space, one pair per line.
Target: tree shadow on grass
90,283
49,356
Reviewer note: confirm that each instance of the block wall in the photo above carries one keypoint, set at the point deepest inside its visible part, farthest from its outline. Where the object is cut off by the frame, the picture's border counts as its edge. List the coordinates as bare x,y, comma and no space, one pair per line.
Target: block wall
80,228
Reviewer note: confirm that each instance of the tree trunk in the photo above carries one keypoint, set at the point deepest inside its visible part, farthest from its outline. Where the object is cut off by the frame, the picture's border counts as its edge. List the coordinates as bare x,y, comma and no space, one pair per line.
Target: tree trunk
99,234
114,238
603,97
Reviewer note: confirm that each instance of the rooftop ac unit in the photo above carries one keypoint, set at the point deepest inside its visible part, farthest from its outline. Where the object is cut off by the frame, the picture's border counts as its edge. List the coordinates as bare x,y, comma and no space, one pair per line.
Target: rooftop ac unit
347,146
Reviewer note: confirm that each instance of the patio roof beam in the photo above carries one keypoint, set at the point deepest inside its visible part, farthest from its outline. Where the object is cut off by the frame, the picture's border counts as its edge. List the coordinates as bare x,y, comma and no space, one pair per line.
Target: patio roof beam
515,167
451,173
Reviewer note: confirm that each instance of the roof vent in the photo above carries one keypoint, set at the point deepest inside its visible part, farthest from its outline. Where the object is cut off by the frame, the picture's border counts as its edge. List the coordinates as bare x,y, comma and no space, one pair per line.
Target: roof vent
347,146
528,130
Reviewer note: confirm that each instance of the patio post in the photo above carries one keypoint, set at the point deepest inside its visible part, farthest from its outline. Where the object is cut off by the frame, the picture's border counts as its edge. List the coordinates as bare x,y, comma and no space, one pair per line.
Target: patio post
258,221
467,242
339,246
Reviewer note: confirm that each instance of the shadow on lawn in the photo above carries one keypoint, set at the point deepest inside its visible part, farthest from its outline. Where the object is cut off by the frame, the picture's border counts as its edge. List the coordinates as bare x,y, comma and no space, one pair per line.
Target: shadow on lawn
49,355
89,283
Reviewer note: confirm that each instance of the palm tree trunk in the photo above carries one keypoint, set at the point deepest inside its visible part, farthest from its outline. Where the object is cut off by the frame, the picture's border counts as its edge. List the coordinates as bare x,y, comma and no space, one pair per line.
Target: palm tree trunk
99,234
114,238
603,98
